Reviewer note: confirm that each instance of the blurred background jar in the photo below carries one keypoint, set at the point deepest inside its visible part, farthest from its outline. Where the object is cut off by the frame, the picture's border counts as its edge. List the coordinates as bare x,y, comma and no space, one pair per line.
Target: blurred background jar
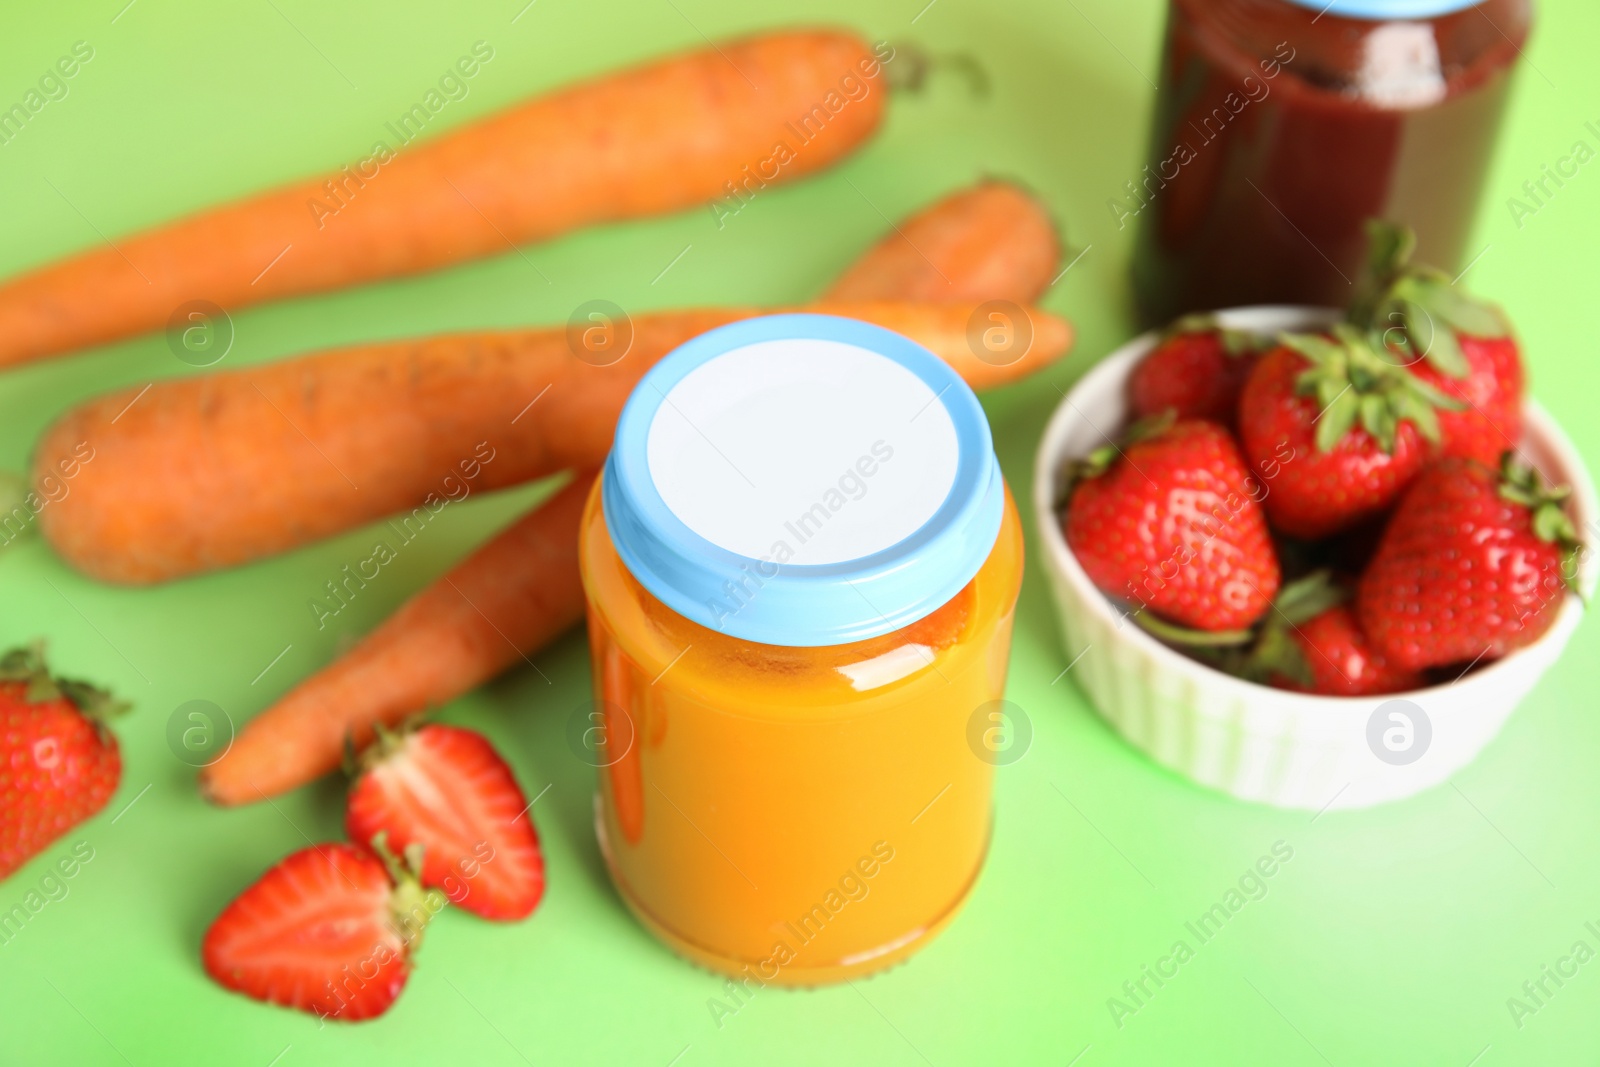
1281,126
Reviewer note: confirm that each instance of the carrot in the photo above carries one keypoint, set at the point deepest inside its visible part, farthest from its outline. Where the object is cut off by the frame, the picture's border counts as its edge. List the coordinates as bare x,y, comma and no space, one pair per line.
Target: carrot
956,333
686,131
299,738
455,634
194,474
994,241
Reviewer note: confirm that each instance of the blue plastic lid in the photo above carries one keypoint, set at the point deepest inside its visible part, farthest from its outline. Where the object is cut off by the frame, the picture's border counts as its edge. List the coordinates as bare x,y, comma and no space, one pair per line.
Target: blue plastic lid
803,480
1387,9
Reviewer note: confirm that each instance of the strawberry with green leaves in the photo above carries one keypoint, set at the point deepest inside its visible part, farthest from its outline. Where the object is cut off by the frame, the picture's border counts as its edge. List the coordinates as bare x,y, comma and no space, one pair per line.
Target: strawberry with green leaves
329,930
1492,391
1335,430
1310,642
1462,347
1170,521
1474,564
59,763
1196,371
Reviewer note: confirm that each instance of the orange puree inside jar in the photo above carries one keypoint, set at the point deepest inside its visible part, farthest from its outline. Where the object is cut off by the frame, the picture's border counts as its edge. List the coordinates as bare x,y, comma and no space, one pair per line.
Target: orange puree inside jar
796,814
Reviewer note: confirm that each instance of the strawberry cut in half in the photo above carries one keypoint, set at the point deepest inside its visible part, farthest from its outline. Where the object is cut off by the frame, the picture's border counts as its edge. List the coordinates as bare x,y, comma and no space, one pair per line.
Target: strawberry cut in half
59,764
1474,564
329,930
446,790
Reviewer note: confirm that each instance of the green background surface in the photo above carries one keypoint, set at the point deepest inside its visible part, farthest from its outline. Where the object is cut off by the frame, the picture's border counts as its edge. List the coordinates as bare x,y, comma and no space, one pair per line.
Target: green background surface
1394,936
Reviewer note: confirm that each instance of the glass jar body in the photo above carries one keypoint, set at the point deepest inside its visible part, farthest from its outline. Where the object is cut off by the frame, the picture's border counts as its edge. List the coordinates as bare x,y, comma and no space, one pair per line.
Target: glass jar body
794,815
1279,131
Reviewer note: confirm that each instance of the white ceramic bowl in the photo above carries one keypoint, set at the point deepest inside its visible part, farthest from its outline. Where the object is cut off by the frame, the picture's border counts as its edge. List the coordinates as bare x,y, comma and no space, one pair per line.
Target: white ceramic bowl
1283,748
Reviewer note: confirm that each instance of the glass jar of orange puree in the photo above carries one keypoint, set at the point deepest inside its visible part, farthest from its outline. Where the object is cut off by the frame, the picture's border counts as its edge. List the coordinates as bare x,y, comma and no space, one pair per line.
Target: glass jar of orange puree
801,562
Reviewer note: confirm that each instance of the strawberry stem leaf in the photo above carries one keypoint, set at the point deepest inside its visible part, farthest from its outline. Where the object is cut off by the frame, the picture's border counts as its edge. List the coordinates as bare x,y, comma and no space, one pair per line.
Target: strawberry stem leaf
1180,635
1235,342
410,905
1354,385
1305,598
1417,310
1099,461
1275,652
1522,485
1337,419
27,665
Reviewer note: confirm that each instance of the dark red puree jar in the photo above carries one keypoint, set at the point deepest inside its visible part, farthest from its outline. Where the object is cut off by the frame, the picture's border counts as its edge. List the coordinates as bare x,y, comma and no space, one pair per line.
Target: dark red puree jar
1282,125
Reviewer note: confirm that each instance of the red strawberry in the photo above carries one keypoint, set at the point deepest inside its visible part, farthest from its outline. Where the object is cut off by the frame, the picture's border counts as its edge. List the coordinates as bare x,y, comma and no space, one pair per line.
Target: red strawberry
1309,641
58,762
1473,565
329,930
1172,523
1334,431
1492,392
1196,371
447,790
1338,660
1460,346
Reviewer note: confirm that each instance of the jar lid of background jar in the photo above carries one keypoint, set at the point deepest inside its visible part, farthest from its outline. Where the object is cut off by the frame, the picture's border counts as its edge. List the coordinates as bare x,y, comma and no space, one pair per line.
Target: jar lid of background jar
1387,9
803,480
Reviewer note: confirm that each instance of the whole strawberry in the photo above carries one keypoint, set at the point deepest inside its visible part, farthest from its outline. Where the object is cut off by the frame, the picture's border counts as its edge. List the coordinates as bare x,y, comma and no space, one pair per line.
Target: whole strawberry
1460,346
59,764
1170,522
1309,642
1334,430
1341,663
1333,657
1474,564
446,791
1195,371
329,930
1491,390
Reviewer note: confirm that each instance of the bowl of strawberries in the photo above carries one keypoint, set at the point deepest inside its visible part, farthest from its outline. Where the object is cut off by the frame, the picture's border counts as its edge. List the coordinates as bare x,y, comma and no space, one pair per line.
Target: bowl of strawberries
1315,558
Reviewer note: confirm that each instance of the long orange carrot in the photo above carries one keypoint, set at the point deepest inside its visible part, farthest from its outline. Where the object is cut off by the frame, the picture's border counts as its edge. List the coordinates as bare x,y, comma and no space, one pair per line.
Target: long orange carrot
406,665
994,241
465,628
693,130
211,471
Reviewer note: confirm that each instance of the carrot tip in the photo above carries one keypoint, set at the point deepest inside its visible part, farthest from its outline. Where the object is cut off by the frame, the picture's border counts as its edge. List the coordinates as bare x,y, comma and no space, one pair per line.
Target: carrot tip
209,792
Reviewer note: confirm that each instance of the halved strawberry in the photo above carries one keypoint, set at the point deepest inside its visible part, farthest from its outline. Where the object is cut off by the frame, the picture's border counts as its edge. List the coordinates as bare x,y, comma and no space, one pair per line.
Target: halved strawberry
447,790
327,930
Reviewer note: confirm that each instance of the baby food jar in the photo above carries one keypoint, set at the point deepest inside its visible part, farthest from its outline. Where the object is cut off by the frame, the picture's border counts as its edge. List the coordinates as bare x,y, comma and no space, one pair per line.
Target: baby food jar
1282,126
801,562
